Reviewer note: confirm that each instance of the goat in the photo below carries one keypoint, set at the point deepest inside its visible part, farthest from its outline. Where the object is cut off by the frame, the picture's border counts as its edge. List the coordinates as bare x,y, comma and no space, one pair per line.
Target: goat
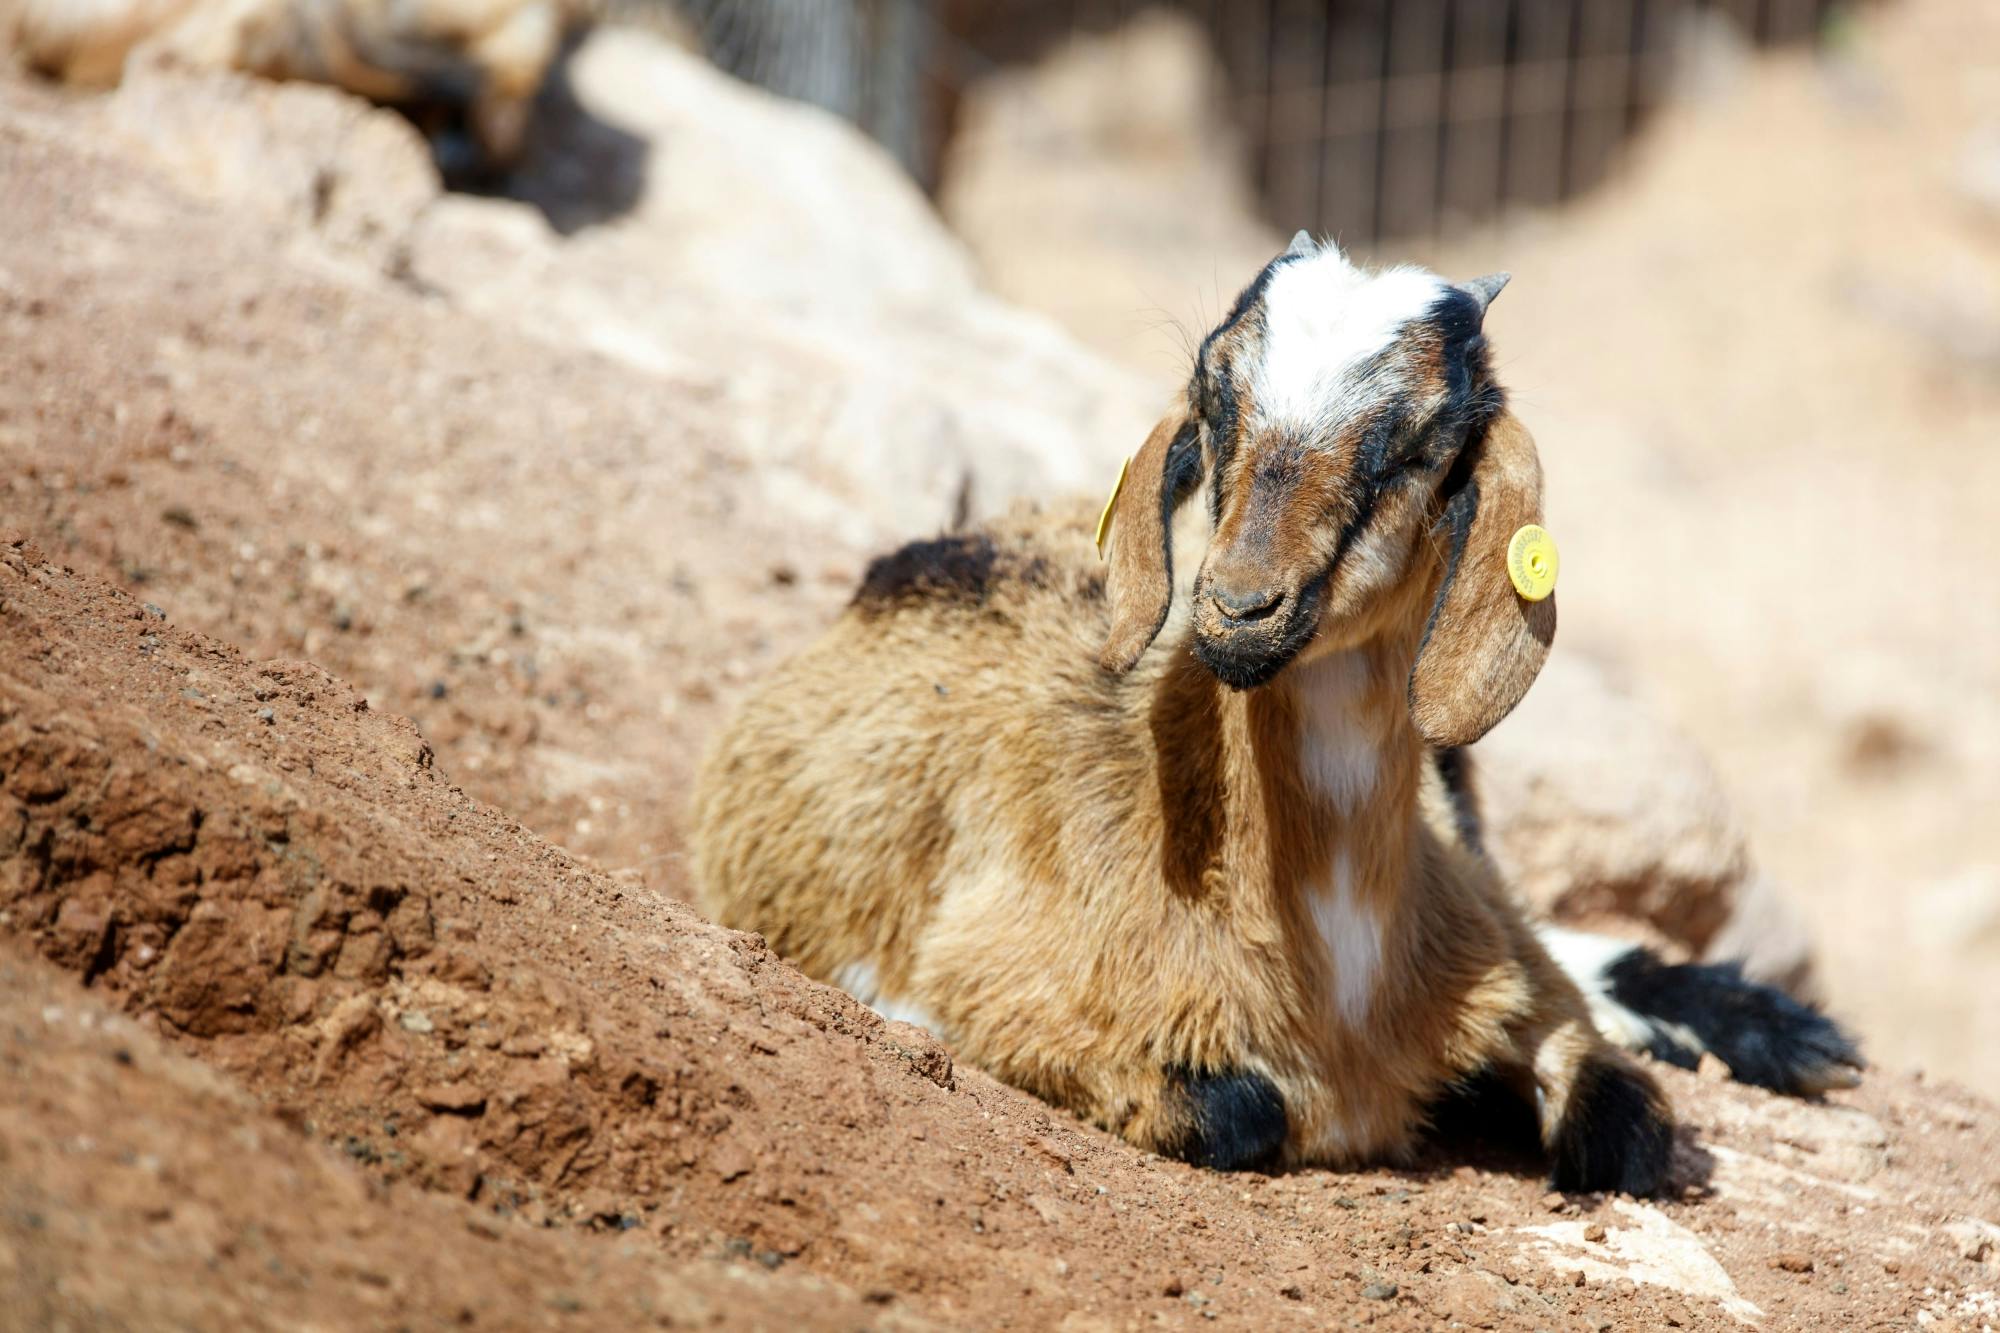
466,71
1184,854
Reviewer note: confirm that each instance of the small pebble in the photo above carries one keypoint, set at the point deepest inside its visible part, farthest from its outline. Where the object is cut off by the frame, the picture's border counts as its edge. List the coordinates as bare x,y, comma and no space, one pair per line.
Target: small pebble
267,716
1379,1291
1594,1233
1792,1262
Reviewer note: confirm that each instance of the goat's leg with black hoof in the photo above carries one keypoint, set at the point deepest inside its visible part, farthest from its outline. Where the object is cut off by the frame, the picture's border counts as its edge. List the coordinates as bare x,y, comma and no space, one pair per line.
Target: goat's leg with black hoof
1676,1011
1614,1131
1222,1119
1766,1037
1604,1123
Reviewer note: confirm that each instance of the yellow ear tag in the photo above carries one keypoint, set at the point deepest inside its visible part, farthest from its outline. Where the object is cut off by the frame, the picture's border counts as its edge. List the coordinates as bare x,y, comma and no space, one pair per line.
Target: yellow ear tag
1104,519
1532,562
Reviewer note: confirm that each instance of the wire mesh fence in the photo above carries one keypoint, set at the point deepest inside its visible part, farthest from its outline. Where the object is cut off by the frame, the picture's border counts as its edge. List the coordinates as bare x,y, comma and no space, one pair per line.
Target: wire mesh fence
1366,119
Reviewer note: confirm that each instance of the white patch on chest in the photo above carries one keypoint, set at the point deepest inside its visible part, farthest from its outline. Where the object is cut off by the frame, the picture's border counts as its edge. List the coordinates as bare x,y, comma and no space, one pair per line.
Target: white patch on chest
858,979
1339,753
1352,936
1323,317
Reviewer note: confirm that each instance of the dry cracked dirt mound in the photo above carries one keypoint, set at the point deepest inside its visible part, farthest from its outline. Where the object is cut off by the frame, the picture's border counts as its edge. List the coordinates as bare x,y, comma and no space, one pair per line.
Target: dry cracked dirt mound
265,873
103,1218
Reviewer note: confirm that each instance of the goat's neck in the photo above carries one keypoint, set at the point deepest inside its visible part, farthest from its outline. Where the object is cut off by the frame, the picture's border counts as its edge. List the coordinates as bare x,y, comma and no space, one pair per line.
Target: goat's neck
1302,788
1340,763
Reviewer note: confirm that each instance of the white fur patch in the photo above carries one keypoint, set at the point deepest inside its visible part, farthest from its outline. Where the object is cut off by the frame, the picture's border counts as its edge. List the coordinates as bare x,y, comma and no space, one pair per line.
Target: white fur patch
1337,750
1353,938
1587,959
1323,317
858,979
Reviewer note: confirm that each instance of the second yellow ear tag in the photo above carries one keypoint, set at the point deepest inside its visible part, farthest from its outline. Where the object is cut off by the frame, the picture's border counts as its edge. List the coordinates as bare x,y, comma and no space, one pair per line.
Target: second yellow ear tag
1104,519
1532,562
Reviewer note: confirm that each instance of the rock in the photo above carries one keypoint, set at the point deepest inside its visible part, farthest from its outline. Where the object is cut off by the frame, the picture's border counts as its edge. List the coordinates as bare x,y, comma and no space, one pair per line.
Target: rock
1827,1140
1593,807
1791,1261
451,1098
1379,1291
886,394
1973,1238
303,156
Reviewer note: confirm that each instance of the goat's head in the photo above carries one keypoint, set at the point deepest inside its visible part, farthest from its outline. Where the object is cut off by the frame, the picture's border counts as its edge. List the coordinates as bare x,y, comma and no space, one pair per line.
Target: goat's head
1364,479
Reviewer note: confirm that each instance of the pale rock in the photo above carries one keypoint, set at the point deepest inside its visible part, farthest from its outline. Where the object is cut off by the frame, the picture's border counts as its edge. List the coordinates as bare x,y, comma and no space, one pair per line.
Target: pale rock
771,253
302,155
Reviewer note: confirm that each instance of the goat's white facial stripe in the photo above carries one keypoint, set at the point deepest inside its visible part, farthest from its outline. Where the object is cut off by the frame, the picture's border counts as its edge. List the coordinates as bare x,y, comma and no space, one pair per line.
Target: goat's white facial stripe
858,979
1352,936
1339,756
1323,317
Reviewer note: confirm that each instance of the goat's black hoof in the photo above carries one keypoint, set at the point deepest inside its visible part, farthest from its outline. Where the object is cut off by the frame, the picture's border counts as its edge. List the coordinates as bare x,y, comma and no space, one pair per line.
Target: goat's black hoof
1615,1134
1236,1121
1766,1037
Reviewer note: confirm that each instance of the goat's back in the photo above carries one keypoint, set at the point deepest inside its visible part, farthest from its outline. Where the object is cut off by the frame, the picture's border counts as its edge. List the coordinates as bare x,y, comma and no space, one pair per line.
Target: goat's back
928,731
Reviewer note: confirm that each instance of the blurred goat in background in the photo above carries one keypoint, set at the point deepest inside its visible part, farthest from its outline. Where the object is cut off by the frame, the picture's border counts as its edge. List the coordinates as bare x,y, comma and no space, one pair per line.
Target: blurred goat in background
465,71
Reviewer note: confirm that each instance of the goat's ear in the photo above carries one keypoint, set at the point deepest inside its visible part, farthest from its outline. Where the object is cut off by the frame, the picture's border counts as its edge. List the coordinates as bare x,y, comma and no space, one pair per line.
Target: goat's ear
1484,643
1140,518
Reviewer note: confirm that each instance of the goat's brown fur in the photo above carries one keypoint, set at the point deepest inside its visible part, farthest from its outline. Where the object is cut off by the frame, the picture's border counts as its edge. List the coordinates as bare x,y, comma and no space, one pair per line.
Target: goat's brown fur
1093,880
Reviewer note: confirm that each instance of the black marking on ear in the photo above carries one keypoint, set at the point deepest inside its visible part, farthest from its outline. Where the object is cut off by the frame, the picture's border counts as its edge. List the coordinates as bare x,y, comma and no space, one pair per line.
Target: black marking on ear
1456,521
1238,1120
1456,771
1766,1037
1615,1133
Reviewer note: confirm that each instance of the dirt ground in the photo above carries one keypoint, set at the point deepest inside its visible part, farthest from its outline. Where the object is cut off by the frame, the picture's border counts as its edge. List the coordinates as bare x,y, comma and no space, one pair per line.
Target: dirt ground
434,1007
328,610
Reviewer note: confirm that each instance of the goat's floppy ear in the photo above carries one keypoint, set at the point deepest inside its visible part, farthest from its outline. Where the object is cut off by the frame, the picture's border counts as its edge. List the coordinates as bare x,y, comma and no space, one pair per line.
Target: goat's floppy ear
1484,643
1140,522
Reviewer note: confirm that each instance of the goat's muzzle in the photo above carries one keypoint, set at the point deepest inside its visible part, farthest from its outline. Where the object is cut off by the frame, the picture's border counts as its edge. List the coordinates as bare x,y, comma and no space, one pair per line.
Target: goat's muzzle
1245,636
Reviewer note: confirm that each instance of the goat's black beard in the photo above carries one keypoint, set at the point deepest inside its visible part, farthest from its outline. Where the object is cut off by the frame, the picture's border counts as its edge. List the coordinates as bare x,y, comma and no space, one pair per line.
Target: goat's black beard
1243,666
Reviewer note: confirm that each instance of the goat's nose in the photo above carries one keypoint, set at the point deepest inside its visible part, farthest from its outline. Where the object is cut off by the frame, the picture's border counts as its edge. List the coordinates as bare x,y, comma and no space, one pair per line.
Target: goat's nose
1246,604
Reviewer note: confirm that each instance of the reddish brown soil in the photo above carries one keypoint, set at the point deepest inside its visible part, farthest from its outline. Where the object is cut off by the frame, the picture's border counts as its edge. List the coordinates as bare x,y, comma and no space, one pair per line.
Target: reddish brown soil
555,564
140,1190
280,880
481,1077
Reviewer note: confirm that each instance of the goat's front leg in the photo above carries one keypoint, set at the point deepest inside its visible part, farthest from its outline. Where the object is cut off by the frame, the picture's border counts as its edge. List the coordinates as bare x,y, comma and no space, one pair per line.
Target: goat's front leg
1231,1119
1603,1119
